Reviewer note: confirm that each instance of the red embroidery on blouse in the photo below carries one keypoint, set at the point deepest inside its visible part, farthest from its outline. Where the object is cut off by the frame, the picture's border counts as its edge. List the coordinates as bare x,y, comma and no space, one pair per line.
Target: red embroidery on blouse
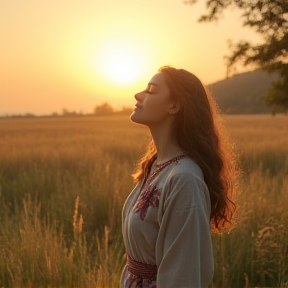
148,197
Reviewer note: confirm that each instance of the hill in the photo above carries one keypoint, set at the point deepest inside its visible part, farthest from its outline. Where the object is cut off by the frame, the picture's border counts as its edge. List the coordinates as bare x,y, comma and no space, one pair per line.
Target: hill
242,93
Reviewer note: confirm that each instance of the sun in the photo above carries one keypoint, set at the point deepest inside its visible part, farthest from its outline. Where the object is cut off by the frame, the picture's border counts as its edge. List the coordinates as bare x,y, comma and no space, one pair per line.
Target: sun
122,63
121,66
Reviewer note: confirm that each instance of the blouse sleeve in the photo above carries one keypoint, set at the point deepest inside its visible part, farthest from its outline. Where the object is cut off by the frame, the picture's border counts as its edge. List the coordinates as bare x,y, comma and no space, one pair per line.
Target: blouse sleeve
183,249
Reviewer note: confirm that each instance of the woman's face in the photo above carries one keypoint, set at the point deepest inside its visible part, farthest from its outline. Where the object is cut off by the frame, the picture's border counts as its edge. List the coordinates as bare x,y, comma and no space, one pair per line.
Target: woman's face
153,104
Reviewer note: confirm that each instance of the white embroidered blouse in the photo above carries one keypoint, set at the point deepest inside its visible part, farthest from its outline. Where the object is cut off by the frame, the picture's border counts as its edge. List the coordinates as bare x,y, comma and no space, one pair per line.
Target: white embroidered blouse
167,224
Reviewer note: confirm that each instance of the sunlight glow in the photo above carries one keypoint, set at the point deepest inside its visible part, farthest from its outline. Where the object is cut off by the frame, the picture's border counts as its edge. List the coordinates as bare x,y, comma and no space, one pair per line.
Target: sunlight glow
122,63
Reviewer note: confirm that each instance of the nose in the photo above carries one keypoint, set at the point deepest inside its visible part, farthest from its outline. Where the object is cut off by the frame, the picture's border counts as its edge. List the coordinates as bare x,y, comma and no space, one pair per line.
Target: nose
138,97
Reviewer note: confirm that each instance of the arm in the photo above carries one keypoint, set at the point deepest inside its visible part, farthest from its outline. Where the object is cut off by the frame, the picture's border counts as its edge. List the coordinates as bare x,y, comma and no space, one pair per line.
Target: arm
183,249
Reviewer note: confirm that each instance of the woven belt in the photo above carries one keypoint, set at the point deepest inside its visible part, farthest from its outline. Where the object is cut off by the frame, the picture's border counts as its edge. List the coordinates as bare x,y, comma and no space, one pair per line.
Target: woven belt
143,270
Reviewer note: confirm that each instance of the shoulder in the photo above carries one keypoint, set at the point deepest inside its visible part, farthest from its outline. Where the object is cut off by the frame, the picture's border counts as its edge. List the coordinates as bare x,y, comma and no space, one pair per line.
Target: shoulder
186,169
185,186
185,175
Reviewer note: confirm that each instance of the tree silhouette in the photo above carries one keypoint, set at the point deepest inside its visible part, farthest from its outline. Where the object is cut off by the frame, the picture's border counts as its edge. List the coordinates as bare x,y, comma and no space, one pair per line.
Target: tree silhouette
103,109
270,19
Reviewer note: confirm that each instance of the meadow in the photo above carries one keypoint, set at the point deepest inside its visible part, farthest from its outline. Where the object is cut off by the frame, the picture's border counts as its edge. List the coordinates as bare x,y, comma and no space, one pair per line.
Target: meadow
64,181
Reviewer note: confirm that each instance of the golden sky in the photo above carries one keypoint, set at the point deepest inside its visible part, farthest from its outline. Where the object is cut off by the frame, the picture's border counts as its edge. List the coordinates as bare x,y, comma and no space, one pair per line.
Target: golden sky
57,54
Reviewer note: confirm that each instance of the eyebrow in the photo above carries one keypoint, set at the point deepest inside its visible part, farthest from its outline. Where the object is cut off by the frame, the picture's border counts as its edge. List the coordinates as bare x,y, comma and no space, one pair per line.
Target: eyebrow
151,83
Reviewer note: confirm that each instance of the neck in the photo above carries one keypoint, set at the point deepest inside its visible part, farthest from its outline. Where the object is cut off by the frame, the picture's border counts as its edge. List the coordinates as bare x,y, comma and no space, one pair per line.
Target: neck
166,145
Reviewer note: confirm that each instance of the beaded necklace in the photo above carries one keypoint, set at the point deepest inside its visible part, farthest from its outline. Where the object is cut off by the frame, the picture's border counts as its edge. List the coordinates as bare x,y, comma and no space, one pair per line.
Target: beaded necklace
160,167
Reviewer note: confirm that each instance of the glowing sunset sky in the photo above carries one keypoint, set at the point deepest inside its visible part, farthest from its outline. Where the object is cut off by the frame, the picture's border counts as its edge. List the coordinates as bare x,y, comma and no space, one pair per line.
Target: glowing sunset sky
68,54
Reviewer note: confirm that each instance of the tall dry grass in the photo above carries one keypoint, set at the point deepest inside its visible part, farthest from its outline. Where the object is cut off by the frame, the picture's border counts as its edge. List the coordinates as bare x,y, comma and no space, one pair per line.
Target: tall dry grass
64,181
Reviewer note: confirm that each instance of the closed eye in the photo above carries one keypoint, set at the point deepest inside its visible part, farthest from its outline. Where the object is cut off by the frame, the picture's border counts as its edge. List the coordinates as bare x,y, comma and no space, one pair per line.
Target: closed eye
149,89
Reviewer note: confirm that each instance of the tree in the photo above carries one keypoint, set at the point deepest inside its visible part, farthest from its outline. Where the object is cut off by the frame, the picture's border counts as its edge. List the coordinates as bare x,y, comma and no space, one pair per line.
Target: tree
103,109
270,19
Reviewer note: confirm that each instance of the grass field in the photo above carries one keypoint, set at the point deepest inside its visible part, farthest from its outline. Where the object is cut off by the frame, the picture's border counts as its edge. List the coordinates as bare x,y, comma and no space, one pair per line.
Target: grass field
64,181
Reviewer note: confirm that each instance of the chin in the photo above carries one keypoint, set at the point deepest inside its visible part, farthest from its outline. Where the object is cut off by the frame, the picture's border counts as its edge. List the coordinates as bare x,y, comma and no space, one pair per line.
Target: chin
135,118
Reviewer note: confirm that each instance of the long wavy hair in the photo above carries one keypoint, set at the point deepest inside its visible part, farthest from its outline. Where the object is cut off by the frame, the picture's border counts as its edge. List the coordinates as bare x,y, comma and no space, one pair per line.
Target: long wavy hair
199,131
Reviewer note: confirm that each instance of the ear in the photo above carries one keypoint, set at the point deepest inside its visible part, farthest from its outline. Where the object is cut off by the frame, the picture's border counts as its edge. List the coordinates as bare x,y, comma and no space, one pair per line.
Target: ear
174,108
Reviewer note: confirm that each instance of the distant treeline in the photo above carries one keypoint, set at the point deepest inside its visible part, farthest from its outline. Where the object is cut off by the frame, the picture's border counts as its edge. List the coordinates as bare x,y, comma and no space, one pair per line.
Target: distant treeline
102,109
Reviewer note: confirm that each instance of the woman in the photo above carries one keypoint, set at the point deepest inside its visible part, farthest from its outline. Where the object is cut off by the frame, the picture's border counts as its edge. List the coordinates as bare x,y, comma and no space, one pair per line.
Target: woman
184,185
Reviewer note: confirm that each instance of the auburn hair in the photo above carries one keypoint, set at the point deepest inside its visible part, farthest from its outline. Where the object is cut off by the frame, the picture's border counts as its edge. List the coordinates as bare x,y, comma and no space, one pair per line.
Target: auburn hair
199,132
